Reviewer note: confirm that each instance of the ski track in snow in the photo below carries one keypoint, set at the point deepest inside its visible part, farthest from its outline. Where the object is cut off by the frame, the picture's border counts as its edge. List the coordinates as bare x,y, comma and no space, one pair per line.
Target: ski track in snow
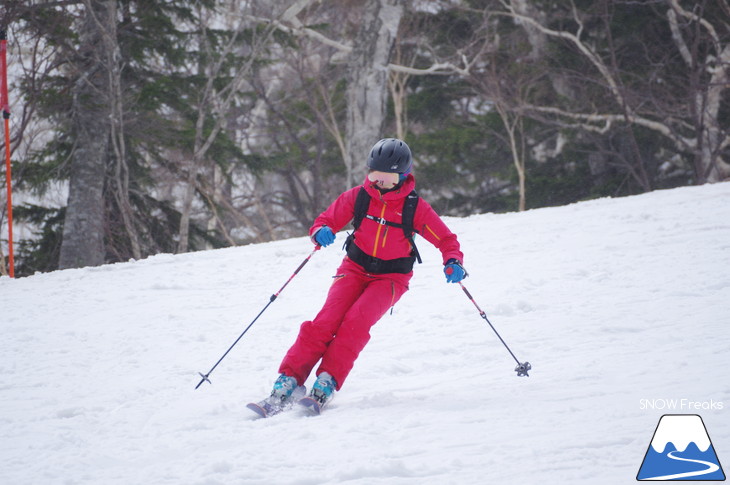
612,301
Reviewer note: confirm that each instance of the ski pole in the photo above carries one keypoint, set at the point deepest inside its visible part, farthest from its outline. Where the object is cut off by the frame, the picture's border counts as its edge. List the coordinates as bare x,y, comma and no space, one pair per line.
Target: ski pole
522,367
271,300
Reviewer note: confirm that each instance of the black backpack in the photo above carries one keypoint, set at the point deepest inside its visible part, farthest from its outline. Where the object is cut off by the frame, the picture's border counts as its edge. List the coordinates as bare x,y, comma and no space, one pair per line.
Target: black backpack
362,204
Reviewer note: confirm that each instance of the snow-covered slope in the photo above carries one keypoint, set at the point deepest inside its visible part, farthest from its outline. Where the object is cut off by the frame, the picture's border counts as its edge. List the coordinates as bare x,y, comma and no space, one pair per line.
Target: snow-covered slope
620,305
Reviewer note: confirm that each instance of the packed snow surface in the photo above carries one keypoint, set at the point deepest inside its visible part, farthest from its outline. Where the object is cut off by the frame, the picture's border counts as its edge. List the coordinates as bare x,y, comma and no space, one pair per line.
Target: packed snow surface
621,305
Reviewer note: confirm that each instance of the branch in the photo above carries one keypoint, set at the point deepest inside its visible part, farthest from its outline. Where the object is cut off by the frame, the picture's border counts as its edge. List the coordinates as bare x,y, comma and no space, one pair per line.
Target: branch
572,38
438,68
609,119
290,14
297,29
678,39
710,28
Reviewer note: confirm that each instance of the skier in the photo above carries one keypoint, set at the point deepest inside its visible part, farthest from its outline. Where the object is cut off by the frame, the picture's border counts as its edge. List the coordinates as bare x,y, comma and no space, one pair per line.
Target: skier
371,278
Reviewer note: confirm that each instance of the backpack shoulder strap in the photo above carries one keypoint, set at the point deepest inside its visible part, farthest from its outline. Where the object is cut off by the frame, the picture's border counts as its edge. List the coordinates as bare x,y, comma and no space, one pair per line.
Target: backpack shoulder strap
409,213
360,211
362,204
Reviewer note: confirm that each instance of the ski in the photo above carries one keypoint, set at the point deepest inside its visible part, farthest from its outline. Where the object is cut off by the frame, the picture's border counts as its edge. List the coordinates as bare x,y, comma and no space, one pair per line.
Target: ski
314,405
311,404
272,406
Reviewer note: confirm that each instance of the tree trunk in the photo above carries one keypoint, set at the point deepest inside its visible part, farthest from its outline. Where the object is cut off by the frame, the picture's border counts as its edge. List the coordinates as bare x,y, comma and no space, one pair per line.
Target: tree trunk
83,231
187,207
368,82
517,148
712,166
120,181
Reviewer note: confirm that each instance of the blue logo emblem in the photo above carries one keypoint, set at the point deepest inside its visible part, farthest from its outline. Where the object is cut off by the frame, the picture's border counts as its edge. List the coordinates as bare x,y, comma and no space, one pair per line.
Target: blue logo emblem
681,450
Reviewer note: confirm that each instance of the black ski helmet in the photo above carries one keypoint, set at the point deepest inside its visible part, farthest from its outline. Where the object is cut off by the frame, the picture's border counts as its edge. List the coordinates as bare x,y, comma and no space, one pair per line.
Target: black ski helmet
390,155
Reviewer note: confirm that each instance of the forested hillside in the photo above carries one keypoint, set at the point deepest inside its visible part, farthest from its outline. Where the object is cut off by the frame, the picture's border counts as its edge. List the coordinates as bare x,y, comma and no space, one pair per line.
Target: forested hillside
140,127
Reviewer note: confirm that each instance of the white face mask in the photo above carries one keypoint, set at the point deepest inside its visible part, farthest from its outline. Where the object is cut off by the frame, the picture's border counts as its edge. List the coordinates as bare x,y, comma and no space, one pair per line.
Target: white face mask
384,180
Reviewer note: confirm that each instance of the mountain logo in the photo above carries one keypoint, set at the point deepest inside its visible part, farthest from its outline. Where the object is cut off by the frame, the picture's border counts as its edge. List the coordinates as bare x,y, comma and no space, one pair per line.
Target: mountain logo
680,450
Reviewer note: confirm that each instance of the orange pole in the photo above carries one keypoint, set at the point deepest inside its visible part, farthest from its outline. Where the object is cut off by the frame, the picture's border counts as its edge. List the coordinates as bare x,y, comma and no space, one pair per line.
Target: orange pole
5,106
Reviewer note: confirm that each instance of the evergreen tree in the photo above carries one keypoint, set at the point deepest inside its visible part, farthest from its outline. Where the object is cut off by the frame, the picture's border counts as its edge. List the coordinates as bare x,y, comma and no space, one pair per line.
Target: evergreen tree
122,104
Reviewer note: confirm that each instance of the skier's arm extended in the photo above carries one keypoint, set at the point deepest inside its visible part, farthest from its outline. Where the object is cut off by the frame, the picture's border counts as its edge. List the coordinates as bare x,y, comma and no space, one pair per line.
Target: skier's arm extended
338,214
429,225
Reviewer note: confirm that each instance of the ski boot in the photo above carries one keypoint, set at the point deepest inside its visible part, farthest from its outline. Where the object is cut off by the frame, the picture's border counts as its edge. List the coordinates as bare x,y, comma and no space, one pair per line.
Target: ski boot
322,392
283,396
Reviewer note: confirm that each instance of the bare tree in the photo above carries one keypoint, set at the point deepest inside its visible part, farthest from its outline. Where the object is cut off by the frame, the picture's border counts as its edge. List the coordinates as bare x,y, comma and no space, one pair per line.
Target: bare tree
710,80
368,81
698,130
215,99
368,60
116,104
410,42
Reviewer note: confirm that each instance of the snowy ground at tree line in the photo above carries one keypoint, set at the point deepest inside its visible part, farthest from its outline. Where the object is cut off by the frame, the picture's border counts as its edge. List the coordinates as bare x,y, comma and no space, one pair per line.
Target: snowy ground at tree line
617,303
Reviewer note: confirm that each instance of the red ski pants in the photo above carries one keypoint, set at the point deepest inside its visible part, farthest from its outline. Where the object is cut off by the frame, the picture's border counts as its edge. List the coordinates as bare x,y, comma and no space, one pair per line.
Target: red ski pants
355,302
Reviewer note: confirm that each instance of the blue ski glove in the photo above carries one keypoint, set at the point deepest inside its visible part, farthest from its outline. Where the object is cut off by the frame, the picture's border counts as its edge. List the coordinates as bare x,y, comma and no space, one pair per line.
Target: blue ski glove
324,236
454,271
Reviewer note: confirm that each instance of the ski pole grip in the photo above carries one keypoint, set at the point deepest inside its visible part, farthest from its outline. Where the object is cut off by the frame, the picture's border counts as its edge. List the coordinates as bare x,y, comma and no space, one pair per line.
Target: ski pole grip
467,293
296,271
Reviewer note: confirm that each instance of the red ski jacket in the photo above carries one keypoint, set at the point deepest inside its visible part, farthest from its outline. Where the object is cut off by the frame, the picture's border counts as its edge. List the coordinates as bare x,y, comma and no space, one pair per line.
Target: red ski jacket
386,242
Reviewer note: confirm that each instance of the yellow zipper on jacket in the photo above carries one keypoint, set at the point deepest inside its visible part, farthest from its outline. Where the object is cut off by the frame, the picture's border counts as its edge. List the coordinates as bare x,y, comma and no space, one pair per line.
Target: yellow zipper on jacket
432,233
377,234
